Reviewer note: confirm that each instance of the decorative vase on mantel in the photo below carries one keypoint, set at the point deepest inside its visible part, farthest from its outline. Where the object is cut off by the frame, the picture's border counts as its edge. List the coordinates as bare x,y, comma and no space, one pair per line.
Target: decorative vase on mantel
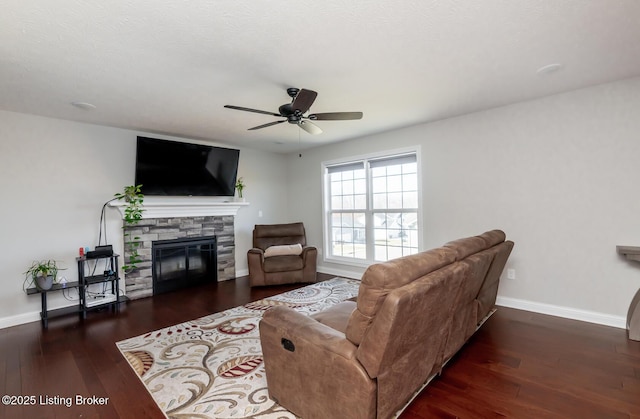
239,187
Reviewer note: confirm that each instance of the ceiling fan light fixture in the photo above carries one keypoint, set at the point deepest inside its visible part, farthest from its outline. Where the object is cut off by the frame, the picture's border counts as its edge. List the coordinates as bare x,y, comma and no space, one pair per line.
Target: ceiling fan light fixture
310,127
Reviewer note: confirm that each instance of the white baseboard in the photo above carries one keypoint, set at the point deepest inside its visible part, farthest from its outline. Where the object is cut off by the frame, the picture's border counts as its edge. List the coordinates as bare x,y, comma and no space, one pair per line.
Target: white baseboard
24,318
566,312
242,272
339,272
19,319
552,310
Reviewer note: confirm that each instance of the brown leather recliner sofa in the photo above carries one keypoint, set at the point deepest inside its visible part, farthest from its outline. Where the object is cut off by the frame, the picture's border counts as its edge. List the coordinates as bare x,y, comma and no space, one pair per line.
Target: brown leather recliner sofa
284,268
367,359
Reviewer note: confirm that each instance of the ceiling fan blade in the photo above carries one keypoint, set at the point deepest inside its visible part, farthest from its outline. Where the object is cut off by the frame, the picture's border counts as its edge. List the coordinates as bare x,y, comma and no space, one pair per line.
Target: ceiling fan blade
267,125
310,127
335,116
240,108
303,100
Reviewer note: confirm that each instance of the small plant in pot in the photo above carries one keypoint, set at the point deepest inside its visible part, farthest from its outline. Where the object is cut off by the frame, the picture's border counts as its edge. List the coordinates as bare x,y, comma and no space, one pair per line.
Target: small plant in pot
41,274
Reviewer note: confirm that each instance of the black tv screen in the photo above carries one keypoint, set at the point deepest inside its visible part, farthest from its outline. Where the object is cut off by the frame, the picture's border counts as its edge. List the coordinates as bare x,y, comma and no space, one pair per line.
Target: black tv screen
172,168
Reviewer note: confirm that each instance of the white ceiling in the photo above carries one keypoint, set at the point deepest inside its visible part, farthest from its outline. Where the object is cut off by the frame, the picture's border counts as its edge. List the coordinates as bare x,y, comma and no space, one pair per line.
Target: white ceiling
169,66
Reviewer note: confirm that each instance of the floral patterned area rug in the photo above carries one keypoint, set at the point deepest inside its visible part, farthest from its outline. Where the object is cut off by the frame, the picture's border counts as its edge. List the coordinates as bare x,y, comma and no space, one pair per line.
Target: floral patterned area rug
212,367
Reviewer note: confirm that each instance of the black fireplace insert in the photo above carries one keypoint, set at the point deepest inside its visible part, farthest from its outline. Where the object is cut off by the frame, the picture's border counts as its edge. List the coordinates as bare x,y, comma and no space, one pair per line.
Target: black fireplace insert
183,262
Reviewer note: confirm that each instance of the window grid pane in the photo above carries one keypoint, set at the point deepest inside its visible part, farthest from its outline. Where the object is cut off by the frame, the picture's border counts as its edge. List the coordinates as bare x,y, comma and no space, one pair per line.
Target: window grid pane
394,199
395,234
348,235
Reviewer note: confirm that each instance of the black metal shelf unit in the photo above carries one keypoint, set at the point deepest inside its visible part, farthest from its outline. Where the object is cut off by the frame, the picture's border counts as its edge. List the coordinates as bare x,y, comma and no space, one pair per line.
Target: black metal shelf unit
109,277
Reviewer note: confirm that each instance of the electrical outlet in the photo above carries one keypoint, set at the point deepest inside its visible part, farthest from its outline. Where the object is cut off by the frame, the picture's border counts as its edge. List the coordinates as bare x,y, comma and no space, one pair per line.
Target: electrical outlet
511,273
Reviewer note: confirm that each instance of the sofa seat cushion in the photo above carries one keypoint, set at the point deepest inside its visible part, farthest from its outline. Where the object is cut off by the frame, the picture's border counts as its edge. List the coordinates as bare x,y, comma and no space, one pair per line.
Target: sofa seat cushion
337,316
283,263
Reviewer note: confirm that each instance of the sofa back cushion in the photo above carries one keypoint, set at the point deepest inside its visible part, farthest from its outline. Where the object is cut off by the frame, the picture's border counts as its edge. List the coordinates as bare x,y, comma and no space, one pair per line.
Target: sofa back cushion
470,245
382,278
466,247
266,235
405,342
478,254
486,297
465,311
493,237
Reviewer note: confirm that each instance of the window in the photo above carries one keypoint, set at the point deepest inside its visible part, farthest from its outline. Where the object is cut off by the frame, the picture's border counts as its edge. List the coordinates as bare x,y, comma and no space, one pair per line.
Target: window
372,208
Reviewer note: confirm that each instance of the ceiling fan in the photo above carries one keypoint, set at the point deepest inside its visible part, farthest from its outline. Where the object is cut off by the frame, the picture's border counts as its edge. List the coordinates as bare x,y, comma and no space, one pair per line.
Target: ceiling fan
301,101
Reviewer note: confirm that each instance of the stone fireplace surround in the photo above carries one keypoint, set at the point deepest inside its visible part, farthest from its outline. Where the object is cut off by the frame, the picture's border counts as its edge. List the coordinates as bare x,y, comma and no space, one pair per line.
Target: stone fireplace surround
176,217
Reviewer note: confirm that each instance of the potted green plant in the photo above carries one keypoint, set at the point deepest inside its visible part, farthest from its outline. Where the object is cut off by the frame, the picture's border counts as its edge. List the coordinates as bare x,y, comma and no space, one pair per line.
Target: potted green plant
134,199
240,186
41,274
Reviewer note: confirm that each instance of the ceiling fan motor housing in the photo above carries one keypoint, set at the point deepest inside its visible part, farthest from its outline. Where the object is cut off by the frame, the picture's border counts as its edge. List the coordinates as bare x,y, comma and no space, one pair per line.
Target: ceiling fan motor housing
293,115
286,110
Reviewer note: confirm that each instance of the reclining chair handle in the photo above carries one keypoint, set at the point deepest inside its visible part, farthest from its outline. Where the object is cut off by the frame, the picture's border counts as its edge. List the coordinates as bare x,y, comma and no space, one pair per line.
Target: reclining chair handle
288,345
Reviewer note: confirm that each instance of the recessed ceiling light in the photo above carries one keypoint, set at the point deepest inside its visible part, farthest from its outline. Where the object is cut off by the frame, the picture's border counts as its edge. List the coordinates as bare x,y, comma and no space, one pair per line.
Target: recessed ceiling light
548,69
84,105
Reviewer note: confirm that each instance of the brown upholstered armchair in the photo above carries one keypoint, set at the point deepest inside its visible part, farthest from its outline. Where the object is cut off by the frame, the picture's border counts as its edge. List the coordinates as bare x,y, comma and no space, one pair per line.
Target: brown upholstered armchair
293,261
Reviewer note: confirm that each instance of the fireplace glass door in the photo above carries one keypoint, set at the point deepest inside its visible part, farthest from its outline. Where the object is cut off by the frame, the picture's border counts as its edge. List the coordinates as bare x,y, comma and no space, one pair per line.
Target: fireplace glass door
182,263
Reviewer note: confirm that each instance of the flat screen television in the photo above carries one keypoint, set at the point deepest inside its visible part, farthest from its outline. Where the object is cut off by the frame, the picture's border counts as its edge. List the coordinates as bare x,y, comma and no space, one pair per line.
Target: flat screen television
172,168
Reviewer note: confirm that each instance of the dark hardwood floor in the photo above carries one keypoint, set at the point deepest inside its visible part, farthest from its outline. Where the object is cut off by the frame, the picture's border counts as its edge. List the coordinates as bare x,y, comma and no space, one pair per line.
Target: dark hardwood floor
518,365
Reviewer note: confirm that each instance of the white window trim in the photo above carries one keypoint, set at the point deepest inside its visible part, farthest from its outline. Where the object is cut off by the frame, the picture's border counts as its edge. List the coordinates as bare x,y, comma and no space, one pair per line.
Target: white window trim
326,253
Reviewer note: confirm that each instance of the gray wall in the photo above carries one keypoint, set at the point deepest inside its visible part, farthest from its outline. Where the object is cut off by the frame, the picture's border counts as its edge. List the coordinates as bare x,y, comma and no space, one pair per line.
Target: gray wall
558,175
54,177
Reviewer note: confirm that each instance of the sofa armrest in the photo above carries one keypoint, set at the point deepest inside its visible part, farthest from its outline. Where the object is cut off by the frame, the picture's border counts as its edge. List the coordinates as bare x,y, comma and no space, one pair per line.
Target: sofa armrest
310,258
312,369
309,251
298,328
257,251
255,258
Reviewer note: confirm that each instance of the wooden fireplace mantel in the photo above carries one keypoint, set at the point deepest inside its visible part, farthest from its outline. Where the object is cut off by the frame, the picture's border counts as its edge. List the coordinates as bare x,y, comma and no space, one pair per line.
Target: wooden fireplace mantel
633,316
191,206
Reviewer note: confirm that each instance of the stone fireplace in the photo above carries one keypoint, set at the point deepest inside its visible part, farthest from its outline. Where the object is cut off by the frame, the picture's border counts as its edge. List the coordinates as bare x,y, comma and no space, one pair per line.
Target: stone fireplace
176,218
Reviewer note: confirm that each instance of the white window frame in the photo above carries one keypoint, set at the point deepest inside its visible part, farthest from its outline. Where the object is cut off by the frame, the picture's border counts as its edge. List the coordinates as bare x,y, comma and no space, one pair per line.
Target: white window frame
326,223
